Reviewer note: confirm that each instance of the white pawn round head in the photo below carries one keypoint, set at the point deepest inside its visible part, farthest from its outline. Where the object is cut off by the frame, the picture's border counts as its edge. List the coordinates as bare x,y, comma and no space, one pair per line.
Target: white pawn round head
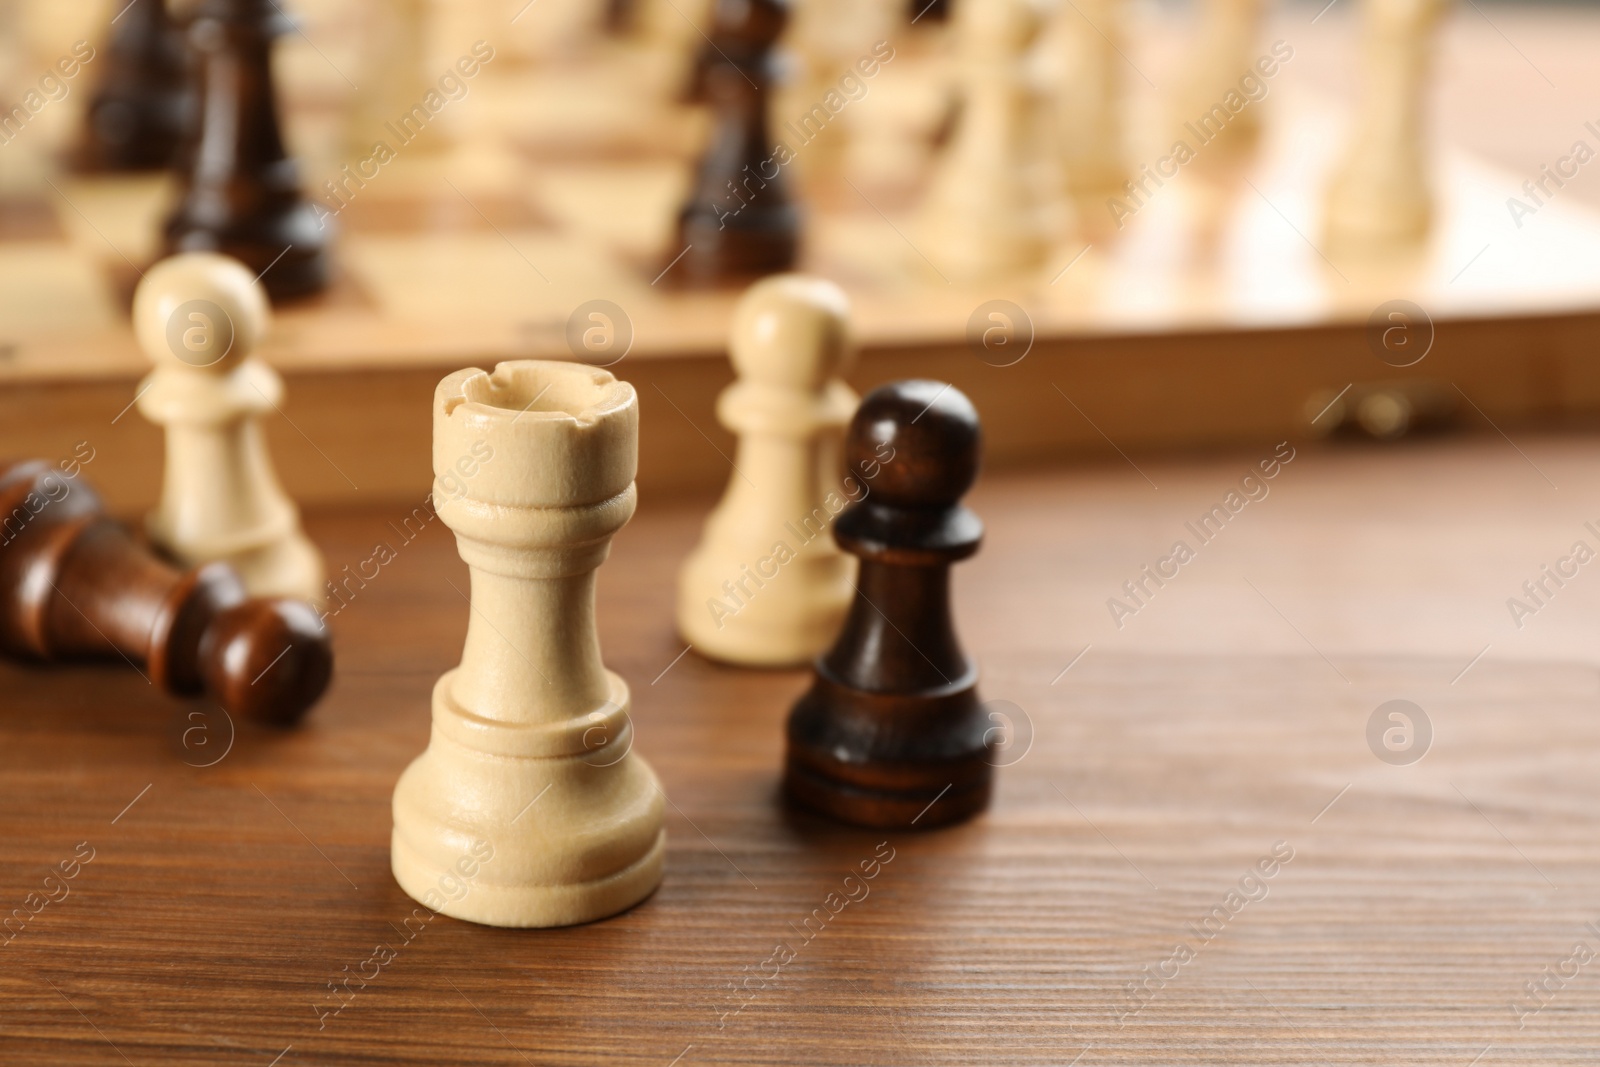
792,331
199,311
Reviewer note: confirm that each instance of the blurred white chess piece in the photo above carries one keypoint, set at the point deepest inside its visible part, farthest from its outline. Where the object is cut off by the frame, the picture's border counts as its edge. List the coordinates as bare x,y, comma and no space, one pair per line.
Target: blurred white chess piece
1224,52
199,317
1380,193
767,585
992,210
1083,64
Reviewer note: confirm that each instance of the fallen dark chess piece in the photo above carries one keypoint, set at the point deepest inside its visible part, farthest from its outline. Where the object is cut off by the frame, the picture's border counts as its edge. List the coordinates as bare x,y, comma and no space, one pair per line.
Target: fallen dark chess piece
74,584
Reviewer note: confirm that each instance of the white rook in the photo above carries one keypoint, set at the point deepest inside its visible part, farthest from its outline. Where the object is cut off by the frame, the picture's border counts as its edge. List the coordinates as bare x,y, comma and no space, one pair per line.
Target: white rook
531,744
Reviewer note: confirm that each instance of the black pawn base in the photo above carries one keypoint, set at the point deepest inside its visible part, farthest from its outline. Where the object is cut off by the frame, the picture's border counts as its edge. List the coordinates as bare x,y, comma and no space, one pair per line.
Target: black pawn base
738,223
905,762
719,255
289,252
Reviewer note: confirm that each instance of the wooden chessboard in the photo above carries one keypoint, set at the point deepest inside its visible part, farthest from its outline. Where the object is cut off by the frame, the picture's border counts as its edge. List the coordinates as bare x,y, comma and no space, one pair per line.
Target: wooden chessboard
1152,768
434,268
1172,331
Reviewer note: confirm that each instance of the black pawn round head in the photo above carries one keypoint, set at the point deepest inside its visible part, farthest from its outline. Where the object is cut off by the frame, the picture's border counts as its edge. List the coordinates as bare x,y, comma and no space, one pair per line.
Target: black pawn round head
924,440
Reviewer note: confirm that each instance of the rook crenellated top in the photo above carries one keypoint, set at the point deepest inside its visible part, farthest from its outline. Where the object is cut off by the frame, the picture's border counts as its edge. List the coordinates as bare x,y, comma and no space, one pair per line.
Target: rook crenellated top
534,434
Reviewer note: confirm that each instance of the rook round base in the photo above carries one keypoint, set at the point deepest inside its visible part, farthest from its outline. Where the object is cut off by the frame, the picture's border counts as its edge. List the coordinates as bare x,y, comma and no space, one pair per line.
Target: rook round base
528,906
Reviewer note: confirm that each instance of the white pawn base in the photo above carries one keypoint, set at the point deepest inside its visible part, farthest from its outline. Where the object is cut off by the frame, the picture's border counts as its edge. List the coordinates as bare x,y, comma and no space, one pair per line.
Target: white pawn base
1371,217
788,623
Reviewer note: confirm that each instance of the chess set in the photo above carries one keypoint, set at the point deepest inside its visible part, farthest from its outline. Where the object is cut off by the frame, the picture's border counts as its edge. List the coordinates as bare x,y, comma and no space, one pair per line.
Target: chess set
535,466
561,204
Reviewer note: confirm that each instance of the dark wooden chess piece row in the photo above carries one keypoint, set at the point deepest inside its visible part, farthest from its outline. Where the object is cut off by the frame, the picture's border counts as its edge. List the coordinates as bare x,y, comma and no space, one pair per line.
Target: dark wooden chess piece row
201,99
891,733
74,584
740,221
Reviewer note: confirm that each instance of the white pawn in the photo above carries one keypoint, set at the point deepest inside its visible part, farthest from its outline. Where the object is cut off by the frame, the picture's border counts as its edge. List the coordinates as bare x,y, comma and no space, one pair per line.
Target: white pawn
767,586
988,212
528,807
1380,193
199,316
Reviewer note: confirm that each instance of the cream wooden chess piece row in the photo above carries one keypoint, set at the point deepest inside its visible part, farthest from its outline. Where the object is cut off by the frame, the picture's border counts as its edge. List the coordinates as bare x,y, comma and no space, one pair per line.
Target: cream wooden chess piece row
199,317
1380,194
530,756
767,586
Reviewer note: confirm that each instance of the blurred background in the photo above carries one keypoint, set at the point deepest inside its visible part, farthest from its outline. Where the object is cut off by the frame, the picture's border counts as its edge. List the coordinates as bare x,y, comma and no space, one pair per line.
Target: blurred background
1212,310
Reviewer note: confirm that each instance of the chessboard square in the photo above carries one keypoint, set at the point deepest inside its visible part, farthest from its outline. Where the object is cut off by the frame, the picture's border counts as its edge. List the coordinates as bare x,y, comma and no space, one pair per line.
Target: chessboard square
119,217
528,274
630,207
47,289
607,109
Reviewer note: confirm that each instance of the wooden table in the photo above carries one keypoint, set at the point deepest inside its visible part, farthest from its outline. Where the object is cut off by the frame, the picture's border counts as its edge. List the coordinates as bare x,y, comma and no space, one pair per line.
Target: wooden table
1224,721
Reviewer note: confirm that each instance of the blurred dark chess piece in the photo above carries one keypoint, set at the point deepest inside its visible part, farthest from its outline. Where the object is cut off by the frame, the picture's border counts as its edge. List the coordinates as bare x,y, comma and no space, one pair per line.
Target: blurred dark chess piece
75,585
142,105
740,223
734,39
929,11
891,733
242,195
620,17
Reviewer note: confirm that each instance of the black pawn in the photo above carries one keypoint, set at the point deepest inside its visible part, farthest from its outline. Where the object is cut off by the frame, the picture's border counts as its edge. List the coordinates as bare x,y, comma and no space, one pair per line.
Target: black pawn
891,733
242,195
740,222
142,104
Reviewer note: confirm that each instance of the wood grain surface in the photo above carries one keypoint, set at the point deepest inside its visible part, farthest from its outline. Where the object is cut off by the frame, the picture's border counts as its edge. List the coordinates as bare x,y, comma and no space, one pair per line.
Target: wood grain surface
1221,731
